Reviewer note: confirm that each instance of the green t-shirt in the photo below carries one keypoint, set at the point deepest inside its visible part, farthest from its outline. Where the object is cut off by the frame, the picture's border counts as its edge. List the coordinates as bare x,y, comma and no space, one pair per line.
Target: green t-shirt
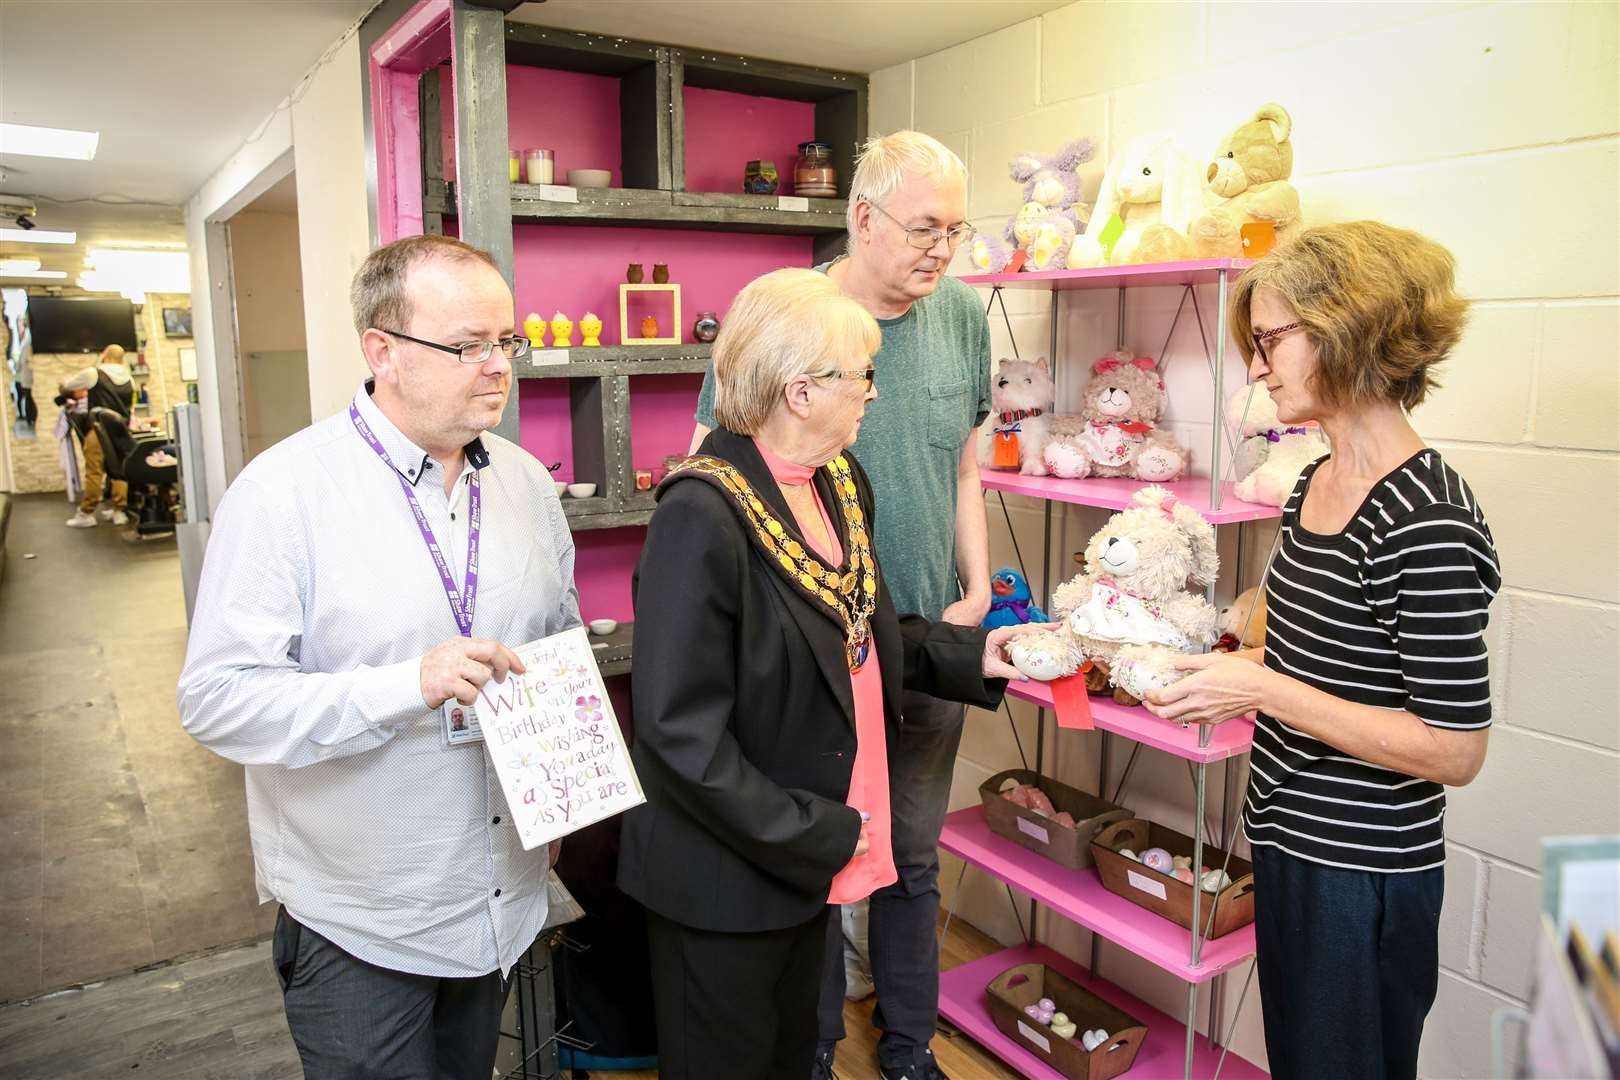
933,383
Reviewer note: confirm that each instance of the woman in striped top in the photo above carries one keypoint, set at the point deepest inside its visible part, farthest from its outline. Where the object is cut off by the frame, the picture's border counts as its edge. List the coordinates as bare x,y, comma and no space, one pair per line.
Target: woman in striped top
1373,691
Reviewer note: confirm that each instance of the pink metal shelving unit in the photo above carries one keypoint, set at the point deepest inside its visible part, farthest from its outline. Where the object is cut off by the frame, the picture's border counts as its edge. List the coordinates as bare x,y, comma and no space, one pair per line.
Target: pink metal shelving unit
1079,895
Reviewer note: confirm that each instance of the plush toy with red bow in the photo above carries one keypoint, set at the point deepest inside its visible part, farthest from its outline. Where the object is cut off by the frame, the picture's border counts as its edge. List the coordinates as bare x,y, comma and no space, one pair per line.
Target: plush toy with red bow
1117,432
1129,611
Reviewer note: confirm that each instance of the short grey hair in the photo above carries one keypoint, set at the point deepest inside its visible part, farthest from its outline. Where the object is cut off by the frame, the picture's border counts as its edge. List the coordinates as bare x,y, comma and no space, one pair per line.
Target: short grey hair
377,293
886,160
782,325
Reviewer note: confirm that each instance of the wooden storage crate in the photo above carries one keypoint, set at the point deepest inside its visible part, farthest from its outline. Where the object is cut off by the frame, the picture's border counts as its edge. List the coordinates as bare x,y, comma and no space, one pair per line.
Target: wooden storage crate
1070,848
1026,984
1163,894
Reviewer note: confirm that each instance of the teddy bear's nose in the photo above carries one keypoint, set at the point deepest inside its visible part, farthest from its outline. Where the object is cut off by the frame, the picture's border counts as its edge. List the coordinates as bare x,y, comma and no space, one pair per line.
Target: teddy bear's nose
1112,540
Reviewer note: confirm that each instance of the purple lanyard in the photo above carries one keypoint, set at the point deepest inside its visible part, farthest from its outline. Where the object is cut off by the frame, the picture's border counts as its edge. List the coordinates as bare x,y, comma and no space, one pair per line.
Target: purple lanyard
469,590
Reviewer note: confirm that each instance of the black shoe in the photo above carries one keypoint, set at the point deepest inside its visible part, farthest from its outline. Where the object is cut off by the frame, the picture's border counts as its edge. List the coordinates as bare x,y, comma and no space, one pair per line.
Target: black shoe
922,1068
821,1068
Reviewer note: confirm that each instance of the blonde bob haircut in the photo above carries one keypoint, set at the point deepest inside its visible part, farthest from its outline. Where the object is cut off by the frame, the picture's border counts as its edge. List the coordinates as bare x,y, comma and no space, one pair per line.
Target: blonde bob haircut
1380,305
886,160
782,325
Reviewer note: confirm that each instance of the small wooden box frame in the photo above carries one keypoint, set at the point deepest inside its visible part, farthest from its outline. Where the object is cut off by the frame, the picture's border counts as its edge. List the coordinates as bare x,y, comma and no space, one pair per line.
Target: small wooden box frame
625,337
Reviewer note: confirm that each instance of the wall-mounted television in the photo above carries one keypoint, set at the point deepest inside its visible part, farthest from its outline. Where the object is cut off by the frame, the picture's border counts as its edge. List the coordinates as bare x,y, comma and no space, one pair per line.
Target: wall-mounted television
177,321
81,325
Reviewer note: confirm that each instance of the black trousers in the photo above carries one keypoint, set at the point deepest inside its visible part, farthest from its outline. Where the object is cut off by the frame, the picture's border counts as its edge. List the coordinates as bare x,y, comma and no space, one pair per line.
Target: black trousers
26,409
355,1021
735,1006
1349,963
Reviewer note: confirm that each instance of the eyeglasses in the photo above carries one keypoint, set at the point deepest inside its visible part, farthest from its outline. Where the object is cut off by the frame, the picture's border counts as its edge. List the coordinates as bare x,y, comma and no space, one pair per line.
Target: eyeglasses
1261,339
475,352
923,237
867,373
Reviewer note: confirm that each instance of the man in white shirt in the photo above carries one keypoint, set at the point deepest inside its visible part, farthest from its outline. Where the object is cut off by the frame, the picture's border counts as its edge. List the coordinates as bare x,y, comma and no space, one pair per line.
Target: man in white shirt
364,576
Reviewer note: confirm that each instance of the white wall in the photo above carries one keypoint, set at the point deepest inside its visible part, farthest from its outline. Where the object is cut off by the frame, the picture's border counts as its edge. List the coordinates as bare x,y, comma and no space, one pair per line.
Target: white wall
1491,128
269,328
321,133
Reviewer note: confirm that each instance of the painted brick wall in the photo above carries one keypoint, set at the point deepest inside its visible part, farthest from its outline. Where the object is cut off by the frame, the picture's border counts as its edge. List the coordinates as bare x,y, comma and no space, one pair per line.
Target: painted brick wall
1493,129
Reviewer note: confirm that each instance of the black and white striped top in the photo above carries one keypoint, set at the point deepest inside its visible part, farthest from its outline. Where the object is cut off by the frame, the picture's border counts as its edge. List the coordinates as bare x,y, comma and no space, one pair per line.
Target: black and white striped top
1391,612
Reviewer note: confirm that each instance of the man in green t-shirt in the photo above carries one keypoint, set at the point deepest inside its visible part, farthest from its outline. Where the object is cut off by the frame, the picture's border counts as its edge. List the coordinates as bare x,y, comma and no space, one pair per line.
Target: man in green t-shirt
906,217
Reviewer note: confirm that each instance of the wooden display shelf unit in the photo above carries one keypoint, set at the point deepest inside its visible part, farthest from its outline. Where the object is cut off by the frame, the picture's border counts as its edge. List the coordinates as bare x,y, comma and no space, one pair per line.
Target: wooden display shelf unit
581,362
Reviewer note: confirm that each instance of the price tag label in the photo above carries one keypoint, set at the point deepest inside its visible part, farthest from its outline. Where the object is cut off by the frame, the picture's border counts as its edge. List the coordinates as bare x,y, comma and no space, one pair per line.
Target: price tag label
1146,884
545,357
1029,828
556,193
796,203
1034,1036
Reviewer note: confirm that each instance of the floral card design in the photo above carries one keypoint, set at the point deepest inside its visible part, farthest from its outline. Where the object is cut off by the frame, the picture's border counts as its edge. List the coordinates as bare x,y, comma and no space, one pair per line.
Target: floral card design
555,742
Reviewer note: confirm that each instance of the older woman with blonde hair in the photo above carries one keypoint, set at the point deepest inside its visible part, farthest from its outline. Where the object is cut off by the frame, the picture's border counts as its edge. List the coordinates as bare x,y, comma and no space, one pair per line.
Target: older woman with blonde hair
1372,693
769,669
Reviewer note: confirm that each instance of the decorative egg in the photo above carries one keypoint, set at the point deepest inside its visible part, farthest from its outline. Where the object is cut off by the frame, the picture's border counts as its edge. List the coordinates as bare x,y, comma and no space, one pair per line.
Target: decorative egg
1032,1011
1064,1030
1157,858
1059,1018
1215,881
1094,1038
1184,873
1044,1017
1046,1005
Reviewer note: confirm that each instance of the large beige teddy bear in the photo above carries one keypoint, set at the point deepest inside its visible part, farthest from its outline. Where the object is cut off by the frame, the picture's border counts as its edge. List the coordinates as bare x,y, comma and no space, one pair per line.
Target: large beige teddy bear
1156,188
1248,182
1129,612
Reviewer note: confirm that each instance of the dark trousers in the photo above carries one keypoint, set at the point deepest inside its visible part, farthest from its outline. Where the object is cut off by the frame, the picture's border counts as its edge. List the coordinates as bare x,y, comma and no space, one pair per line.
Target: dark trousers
903,921
355,1021
26,409
739,1006
1349,963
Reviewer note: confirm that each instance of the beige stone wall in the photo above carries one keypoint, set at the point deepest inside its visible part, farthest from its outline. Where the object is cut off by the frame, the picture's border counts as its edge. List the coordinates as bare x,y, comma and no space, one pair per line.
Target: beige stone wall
34,464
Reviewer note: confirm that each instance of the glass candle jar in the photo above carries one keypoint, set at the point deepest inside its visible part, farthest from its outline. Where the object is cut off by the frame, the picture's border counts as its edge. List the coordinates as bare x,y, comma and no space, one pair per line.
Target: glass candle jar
541,167
514,166
814,175
760,178
706,328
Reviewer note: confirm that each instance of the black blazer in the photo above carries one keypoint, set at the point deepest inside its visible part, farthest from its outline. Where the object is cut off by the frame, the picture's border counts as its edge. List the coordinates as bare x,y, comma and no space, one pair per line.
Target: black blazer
744,717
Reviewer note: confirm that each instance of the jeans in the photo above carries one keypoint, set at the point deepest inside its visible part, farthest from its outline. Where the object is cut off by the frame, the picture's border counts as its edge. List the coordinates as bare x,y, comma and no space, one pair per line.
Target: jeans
903,920
1349,964
355,1021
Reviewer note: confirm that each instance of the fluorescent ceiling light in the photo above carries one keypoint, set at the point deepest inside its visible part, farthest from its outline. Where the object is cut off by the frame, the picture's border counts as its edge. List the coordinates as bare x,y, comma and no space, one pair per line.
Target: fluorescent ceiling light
18,265
48,142
37,236
33,275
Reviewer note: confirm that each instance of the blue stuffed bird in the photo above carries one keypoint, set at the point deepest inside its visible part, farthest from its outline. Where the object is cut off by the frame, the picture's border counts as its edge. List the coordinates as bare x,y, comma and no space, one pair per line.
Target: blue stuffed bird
1011,602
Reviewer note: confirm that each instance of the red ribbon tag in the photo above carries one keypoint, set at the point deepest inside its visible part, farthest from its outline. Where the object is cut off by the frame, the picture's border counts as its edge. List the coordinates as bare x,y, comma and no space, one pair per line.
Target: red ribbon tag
1006,450
1135,427
1071,702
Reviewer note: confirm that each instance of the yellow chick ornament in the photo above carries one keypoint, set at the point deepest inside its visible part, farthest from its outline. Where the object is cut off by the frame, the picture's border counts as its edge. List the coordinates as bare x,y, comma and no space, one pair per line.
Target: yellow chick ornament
534,328
562,331
590,328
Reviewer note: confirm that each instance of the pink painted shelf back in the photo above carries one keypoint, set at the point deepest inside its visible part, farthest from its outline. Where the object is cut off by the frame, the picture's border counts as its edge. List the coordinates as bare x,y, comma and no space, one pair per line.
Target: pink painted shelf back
963,1001
725,131
1079,895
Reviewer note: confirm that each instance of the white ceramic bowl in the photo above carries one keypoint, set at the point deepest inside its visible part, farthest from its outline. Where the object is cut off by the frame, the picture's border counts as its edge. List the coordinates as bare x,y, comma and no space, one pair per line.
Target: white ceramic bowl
582,491
604,627
561,487
589,177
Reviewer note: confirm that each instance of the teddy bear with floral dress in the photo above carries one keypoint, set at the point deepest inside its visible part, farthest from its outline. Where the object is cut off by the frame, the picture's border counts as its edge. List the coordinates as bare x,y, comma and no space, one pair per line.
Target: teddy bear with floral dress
1116,432
1129,612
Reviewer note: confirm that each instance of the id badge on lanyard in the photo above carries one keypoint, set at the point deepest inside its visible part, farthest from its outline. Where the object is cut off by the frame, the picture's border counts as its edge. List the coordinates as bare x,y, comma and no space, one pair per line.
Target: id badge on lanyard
460,722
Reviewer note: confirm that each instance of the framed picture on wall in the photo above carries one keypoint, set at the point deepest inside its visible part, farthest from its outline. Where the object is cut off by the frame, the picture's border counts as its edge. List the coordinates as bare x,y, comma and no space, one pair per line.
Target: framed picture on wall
188,364
177,321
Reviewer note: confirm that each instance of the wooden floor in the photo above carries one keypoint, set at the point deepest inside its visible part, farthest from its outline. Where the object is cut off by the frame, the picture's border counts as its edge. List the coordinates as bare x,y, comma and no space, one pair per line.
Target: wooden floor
219,1017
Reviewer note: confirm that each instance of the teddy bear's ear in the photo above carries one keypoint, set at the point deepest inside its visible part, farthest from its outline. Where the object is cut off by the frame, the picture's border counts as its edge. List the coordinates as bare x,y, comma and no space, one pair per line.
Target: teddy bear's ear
1042,364
1277,117
1023,167
1074,154
1206,560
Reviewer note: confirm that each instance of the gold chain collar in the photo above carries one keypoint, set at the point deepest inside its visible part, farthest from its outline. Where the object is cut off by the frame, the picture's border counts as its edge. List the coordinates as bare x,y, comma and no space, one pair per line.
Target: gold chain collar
851,596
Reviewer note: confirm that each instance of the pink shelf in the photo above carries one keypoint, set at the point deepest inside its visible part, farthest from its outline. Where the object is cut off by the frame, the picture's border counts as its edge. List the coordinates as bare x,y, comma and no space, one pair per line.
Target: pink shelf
1079,895
1134,722
1114,493
963,1002
1192,272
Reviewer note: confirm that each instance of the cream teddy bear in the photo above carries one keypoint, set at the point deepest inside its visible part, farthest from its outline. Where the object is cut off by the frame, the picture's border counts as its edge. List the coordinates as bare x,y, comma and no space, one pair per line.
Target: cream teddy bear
1129,611
1249,181
1115,433
1270,455
1156,189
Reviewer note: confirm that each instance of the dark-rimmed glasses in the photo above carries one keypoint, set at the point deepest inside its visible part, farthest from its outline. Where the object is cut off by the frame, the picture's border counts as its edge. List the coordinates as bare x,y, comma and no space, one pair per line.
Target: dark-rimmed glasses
924,237
868,374
474,352
1261,339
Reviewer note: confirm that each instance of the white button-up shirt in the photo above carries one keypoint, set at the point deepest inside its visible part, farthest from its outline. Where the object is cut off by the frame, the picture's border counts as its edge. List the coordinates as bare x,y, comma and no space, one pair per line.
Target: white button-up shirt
318,600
